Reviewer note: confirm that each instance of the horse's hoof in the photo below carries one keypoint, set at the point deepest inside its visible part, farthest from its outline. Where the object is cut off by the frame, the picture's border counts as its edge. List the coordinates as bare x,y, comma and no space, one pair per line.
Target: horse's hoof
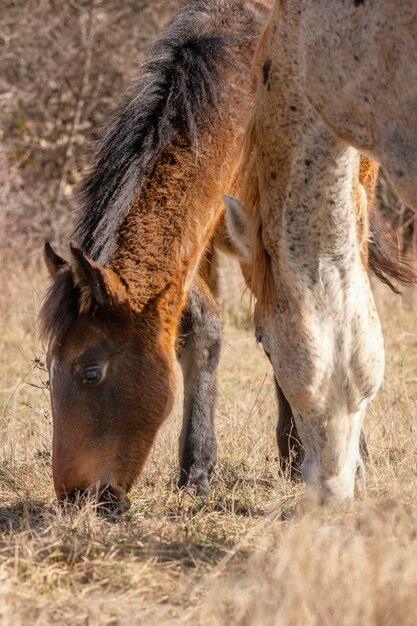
200,483
291,473
202,486
291,469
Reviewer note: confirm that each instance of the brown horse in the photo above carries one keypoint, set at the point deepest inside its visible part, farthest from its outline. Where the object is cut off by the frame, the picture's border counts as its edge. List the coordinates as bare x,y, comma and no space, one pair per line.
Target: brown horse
333,80
139,286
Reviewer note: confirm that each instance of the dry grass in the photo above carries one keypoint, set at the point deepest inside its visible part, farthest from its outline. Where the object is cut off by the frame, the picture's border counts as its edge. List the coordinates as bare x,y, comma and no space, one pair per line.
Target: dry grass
229,558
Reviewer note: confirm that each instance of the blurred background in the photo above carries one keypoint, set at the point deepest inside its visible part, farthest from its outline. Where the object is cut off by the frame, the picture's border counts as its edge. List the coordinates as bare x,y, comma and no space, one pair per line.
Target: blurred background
63,66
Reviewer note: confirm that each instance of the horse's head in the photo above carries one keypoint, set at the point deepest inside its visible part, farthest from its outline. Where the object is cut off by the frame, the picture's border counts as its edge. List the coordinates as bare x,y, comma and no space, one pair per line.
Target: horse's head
111,378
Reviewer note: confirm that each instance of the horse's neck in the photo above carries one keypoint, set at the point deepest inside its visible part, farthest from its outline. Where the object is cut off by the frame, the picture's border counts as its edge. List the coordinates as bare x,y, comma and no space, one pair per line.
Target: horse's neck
176,210
323,203
163,238
311,200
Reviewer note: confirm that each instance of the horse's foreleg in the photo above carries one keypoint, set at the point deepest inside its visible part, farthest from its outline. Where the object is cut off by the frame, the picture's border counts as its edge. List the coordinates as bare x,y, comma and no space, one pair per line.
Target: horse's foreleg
201,332
291,452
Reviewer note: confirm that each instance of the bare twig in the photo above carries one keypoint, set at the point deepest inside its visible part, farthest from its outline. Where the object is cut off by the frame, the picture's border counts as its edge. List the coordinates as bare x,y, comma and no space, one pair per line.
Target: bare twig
88,46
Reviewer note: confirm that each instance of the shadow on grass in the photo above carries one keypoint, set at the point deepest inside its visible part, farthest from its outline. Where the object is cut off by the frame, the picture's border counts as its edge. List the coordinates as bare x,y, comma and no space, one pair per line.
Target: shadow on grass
187,531
25,514
70,536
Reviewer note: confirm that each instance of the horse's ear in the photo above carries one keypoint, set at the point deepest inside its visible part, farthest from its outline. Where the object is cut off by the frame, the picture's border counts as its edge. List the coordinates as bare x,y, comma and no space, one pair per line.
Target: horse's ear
99,287
52,260
238,226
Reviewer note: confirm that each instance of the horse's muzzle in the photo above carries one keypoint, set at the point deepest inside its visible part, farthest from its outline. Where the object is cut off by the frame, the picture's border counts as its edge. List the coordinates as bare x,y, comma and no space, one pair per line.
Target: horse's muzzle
105,499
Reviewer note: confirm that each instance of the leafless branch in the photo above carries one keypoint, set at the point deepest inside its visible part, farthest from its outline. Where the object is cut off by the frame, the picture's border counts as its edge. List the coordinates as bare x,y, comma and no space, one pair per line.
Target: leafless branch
88,48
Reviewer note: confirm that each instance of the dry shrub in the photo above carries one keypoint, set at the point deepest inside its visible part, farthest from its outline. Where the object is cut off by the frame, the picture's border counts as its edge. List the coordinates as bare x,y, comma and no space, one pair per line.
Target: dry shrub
63,66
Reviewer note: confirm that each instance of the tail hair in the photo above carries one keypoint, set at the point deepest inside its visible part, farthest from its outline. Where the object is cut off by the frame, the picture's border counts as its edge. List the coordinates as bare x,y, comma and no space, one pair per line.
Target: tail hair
384,257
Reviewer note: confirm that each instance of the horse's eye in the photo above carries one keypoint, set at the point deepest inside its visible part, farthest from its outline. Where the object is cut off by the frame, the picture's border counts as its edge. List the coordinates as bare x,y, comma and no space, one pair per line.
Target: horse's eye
92,374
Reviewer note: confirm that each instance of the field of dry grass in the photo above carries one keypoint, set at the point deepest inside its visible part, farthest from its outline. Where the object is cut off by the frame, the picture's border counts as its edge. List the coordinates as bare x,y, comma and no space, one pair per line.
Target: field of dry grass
232,557
229,558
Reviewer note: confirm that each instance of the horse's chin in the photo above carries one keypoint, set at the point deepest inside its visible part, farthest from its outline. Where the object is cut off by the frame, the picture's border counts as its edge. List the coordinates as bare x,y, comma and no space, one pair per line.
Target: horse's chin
111,500
123,504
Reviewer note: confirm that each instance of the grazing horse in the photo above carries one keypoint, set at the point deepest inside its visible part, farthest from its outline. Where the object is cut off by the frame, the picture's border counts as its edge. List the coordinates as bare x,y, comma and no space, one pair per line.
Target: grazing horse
334,79
139,285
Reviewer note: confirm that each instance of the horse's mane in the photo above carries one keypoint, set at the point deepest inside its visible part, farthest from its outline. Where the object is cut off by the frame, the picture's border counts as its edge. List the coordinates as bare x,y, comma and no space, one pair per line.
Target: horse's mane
60,307
176,94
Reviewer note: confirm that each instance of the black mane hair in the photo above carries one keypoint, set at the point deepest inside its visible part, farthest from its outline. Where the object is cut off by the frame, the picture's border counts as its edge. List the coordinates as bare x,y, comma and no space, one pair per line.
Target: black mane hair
178,90
60,307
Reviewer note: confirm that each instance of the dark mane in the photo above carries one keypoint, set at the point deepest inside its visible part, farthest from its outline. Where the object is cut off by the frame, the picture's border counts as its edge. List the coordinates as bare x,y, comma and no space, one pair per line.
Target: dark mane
178,90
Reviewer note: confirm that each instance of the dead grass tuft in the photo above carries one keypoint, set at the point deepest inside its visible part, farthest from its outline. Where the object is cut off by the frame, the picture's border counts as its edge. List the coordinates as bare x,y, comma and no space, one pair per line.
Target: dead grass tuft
176,558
